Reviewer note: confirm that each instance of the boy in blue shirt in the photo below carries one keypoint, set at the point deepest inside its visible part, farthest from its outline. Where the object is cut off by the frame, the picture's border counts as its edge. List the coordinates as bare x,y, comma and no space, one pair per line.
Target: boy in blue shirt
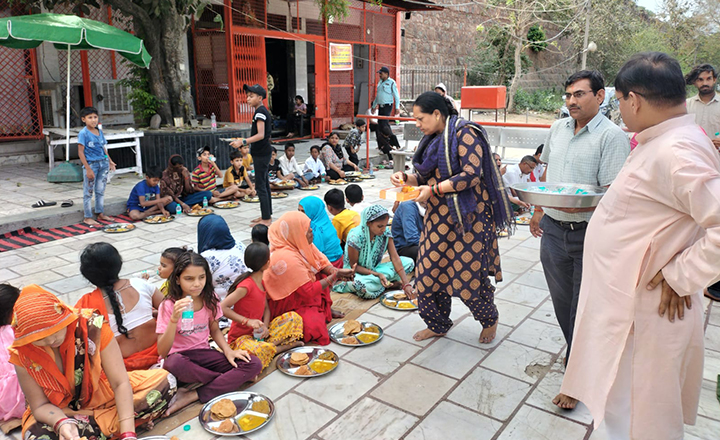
145,197
96,164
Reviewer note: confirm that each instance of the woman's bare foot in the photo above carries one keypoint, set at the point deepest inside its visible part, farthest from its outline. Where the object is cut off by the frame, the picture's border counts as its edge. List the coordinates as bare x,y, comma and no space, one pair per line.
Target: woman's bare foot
90,222
106,218
337,314
267,222
183,398
565,402
283,348
426,334
488,334
256,220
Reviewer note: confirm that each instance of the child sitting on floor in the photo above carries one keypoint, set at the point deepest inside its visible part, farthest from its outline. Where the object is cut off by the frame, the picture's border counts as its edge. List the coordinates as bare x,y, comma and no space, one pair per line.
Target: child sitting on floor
343,219
177,184
237,175
276,183
289,168
205,175
314,169
259,234
246,306
364,252
167,265
145,197
12,405
355,198
186,319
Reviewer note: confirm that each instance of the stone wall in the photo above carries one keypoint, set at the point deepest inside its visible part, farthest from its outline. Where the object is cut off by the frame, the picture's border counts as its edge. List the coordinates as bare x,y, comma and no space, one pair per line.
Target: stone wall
447,38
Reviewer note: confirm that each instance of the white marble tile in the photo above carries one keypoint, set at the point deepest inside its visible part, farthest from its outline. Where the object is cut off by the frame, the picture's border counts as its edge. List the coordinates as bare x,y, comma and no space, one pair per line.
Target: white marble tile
449,357
511,313
524,295
533,278
389,314
715,314
523,253
712,365
712,337
135,267
37,265
547,389
414,389
704,429
539,335
524,363
448,421
382,322
468,332
406,328
68,284
11,259
490,393
196,431
295,418
546,313
340,388
369,420
458,309
532,424
40,278
385,356
515,265
275,384
709,405
7,274
532,243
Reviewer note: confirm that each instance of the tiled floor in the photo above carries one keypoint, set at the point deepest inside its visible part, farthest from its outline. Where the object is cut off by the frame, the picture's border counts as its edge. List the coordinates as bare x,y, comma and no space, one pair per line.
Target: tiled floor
448,388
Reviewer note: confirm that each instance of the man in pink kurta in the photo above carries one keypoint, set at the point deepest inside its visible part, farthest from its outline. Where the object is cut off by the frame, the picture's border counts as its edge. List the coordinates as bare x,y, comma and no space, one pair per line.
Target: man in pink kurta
651,248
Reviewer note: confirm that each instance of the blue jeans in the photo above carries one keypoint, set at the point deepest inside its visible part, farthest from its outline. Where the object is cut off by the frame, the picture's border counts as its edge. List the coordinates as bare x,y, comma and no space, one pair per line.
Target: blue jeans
97,185
190,199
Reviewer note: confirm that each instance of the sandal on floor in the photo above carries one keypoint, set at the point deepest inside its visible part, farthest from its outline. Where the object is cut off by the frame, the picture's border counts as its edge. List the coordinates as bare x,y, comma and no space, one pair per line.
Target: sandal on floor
43,203
67,203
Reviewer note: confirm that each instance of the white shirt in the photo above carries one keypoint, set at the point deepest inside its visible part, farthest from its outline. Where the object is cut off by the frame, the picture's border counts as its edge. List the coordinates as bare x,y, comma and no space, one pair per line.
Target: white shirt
315,166
140,313
288,166
514,175
359,207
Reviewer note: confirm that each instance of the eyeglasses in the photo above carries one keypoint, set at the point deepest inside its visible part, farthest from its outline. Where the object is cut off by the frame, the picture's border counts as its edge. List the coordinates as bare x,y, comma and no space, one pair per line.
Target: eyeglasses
577,95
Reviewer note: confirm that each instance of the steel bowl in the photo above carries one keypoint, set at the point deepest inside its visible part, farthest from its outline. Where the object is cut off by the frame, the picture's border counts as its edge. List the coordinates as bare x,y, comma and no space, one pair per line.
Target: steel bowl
559,195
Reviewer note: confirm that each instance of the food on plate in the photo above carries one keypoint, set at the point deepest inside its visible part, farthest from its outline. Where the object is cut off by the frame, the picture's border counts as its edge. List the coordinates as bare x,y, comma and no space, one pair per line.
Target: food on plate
390,302
372,329
304,371
226,427
367,176
223,409
309,187
249,422
367,338
337,181
321,366
158,219
251,199
227,205
199,210
351,327
171,438
297,359
399,296
407,189
414,301
327,356
261,406
119,228
350,340
406,305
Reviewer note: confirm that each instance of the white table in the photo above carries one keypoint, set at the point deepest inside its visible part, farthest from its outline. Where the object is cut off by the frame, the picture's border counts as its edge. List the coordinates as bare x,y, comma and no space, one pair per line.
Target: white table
115,138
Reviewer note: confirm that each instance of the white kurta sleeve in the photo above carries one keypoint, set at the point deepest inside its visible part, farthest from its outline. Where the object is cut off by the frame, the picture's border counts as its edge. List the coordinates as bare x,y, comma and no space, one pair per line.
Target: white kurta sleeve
696,187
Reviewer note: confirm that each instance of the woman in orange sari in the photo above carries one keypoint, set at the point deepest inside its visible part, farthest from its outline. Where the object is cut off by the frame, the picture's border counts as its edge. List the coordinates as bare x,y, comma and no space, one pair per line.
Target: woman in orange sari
126,304
300,276
69,367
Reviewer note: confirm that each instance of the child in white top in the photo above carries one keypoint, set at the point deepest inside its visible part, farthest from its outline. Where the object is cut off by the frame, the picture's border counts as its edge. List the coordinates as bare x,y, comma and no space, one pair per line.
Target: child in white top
314,170
289,167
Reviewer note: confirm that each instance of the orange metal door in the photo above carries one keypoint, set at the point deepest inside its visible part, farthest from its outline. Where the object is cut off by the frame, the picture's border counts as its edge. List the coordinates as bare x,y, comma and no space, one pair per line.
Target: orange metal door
249,68
321,81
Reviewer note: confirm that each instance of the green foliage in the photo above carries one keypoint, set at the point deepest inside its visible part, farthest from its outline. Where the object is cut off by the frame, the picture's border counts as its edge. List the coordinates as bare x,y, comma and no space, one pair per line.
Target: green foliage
538,100
144,103
492,61
536,34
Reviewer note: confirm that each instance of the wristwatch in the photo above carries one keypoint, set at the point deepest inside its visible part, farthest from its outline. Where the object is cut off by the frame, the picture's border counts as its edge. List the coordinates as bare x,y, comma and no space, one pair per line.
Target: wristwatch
244,142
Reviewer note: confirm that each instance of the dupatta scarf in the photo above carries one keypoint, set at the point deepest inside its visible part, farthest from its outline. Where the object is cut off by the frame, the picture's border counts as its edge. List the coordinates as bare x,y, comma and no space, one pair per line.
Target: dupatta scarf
324,233
371,249
441,152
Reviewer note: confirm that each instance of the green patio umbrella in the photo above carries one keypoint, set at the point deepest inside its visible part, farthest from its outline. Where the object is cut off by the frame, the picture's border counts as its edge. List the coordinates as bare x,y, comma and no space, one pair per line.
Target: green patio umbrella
69,32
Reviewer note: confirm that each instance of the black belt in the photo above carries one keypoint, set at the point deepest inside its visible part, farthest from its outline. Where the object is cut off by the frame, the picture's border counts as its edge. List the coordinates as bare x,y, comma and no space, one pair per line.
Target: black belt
573,226
384,105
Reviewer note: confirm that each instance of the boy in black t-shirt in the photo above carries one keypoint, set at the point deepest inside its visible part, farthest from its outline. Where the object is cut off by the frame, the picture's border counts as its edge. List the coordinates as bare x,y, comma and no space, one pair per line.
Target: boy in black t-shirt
260,149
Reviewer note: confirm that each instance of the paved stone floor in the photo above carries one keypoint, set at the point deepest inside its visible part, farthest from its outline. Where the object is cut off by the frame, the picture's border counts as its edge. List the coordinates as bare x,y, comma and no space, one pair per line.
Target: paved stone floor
449,388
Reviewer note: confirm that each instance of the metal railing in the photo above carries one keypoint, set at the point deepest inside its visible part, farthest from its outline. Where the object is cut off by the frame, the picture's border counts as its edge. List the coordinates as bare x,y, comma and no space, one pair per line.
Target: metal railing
419,79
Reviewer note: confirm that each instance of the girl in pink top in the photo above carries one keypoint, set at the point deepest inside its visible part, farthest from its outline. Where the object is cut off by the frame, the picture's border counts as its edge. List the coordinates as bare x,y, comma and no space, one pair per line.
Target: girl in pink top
12,404
187,353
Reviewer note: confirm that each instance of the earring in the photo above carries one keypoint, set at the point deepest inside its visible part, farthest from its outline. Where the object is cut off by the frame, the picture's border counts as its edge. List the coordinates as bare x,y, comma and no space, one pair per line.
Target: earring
437,118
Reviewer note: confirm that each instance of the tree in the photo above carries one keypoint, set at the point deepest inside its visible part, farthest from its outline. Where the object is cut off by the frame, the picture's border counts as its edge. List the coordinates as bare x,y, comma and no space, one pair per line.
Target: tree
163,26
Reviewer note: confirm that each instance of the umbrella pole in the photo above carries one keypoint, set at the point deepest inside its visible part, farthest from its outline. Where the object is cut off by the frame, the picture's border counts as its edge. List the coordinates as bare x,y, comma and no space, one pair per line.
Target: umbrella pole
67,111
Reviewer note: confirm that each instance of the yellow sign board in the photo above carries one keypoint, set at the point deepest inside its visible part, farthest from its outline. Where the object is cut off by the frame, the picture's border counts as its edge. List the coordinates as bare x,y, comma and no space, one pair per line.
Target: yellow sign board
341,56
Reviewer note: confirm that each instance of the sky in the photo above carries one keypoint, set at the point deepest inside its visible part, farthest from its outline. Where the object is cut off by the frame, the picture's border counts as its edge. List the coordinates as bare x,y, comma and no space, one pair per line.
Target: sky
653,5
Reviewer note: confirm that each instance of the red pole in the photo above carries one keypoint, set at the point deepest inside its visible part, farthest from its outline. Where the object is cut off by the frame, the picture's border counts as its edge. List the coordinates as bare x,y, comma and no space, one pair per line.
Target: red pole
367,146
87,86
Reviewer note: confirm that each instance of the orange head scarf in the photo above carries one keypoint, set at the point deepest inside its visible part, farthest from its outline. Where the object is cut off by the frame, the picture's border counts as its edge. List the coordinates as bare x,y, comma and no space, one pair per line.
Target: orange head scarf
293,261
38,314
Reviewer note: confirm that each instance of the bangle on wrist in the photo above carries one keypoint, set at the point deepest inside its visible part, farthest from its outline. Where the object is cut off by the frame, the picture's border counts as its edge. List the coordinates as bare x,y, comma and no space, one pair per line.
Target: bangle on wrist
405,177
63,421
128,435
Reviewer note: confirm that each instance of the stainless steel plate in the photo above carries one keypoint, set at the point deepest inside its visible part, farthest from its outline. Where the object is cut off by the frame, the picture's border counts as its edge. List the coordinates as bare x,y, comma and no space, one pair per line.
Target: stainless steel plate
247,199
391,303
226,205
201,213
352,173
118,228
278,195
559,195
151,219
337,334
283,361
243,400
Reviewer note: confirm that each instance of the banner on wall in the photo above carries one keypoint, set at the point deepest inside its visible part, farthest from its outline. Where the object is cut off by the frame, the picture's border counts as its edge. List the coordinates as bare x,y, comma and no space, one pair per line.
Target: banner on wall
341,57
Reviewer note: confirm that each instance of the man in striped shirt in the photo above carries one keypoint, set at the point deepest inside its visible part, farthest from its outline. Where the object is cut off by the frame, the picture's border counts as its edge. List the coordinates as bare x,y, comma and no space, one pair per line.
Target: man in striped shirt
204,177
